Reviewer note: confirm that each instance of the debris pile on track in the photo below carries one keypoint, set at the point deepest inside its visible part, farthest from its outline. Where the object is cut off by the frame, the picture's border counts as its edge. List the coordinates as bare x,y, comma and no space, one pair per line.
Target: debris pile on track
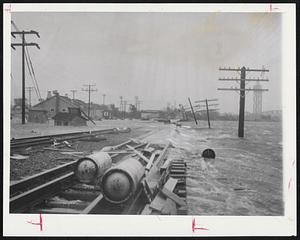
158,189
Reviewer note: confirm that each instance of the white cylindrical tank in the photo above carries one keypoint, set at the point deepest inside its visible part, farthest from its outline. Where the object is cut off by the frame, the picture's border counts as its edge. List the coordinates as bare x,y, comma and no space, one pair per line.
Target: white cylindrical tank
120,182
91,168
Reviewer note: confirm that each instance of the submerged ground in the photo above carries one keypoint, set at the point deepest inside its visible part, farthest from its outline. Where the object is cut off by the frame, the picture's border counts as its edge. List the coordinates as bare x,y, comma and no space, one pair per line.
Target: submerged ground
244,179
246,176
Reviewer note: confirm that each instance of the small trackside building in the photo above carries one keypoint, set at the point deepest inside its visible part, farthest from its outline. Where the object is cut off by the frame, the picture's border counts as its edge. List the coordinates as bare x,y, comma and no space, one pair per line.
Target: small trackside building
69,119
37,116
150,114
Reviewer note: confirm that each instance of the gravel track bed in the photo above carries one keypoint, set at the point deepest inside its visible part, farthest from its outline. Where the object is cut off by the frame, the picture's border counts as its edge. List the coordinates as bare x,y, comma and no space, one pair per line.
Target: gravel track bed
40,160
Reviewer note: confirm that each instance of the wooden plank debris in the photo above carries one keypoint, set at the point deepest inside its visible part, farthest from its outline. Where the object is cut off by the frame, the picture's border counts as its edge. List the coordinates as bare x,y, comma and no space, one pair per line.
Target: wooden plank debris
93,205
57,149
166,165
172,196
169,207
18,157
150,161
171,184
158,202
163,154
138,153
147,210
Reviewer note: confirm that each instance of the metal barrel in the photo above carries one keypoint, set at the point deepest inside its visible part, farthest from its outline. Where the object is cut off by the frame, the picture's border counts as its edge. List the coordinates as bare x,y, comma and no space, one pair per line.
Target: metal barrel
90,168
208,153
120,182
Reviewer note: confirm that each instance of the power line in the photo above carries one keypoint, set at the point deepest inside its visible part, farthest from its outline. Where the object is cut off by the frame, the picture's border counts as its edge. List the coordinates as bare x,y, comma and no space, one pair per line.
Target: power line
23,45
30,73
30,67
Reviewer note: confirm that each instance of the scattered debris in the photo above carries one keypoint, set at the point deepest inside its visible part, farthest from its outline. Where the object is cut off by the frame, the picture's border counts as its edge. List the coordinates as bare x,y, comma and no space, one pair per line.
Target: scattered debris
18,157
73,153
93,139
124,130
58,149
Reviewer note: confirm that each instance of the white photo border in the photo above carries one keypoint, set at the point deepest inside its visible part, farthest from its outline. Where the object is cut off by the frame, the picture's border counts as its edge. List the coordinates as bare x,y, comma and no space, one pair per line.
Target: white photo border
119,225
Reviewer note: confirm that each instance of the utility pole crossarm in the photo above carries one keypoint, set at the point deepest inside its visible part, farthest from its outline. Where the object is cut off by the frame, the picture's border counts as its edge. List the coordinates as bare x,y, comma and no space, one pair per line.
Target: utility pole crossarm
245,89
229,69
249,79
239,69
216,104
25,32
202,110
13,45
256,70
209,100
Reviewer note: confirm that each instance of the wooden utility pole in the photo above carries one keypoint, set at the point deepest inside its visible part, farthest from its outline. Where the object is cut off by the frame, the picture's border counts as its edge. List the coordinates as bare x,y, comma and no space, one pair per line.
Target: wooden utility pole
136,100
23,44
89,90
183,112
242,90
207,107
73,93
103,96
207,111
193,111
139,105
29,91
124,109
121,106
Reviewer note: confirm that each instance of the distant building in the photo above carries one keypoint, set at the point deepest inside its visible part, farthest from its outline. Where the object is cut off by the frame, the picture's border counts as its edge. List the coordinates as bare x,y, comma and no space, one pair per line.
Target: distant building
37,116
57,103
69,119
16,109
149,114
102,111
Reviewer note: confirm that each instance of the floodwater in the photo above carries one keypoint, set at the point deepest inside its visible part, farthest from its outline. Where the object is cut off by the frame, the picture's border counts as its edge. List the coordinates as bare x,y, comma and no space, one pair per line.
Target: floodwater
245,178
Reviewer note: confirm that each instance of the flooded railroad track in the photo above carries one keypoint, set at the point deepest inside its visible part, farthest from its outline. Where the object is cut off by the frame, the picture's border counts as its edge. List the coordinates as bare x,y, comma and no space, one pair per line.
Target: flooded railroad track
59,191
48,139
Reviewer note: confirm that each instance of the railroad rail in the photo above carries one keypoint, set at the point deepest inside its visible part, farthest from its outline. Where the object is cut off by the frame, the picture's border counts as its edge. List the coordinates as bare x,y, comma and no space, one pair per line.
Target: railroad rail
17,143
58,190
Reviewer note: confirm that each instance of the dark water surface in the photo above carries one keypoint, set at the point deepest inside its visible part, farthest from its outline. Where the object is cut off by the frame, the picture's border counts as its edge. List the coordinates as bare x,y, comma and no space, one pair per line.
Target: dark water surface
246,176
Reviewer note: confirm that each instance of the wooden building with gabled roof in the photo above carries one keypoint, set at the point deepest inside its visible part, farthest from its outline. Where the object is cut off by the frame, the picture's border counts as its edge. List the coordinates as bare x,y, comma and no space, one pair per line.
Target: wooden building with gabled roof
69,119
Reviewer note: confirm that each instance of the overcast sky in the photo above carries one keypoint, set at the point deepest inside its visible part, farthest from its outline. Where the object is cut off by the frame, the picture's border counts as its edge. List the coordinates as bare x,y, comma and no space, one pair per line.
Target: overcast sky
160,57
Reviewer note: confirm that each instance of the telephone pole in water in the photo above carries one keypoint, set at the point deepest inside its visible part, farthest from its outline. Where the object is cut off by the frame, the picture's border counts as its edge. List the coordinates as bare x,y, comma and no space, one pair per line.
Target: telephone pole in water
242,90
23,45
89,90
193,111
207,105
